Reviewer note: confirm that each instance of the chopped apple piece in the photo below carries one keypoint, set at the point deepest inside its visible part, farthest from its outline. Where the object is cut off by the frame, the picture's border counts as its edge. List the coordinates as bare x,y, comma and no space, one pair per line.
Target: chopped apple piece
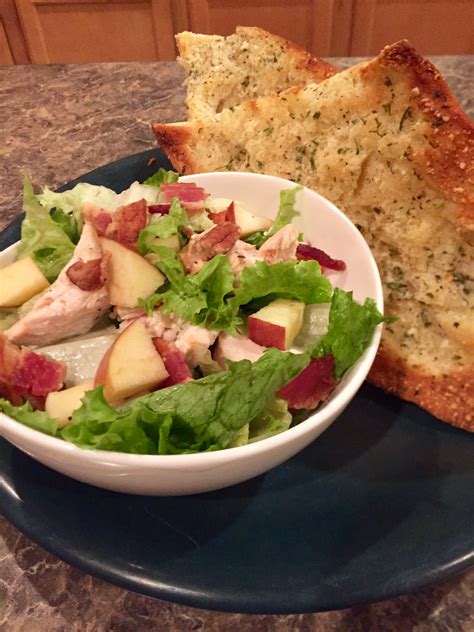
131,275
277,324
61,404
132,366
170,242
248,222
19,281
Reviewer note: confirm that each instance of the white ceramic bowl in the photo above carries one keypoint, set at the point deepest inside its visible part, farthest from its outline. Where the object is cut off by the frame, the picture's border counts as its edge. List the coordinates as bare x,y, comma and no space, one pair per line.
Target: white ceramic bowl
323,225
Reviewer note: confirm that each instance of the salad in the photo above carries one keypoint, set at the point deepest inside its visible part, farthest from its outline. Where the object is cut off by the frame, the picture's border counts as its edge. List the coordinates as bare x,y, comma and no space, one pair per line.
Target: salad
162,320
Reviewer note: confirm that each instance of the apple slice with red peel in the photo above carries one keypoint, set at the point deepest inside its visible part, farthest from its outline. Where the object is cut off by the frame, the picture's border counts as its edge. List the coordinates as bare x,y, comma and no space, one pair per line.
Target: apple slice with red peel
132,366
174,361
277,324
131,275
311,386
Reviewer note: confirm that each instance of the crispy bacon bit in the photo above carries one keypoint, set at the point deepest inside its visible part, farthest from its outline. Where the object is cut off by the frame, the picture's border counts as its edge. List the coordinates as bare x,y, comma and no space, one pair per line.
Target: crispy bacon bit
174,362
215,241
188,193
223,216
305,252
312,385
123,225
99,218
26,375
87,275
162,209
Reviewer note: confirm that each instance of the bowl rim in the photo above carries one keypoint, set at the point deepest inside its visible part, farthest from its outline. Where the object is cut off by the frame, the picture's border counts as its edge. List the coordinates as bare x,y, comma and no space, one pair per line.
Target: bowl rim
331,408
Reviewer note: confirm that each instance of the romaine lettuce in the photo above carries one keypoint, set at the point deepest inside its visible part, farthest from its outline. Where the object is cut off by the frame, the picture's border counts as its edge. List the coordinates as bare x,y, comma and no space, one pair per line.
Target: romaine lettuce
42,238
162,226
161,177
201,415
351,327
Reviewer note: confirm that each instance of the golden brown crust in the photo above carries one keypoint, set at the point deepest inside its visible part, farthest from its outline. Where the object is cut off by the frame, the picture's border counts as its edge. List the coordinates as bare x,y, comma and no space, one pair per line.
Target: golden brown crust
173,139
319,68
449,164
450,397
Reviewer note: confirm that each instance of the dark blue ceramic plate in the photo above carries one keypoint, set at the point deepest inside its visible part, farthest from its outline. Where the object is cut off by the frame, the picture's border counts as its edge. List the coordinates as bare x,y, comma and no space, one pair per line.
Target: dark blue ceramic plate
381,504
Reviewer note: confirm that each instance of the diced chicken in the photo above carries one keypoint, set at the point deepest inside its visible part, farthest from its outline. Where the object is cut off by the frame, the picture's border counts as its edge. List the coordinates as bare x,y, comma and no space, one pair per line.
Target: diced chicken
25,374
188,193
281,246
65,309
193,342
123,225
236,348
203,247
242,255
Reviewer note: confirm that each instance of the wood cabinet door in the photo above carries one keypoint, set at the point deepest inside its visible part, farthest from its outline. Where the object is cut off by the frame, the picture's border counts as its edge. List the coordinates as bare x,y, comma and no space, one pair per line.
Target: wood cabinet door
434,27
12,45
82,31
320,26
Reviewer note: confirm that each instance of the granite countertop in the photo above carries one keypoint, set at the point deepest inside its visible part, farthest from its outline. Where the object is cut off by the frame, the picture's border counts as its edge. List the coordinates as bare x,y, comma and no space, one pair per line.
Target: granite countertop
58,122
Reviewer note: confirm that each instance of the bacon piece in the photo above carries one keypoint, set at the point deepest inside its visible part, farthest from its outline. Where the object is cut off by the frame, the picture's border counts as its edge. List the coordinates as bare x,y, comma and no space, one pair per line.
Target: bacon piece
26,375
123,225
214,241
188,193
281,246
174,363
312,385
87,275
223,216
162,209
306,252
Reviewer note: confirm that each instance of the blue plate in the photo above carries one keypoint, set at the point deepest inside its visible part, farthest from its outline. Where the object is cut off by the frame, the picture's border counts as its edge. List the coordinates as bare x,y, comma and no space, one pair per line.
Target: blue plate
381,504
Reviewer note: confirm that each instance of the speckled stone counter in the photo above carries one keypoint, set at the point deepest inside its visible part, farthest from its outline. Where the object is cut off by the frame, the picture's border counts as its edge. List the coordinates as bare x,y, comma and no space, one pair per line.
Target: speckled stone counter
57,122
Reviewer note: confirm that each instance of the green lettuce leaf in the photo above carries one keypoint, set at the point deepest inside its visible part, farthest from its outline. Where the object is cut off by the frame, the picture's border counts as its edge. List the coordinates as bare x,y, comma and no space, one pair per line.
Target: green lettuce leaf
199,298
351,327
297,280
273,419
205,414
162,176
36,419
286,211
69,222
162,226
71,202
255,239
42,238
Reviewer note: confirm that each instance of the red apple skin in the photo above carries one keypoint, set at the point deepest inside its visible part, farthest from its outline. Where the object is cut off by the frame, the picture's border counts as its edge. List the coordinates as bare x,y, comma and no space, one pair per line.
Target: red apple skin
312,385
223,216
174,362
266,334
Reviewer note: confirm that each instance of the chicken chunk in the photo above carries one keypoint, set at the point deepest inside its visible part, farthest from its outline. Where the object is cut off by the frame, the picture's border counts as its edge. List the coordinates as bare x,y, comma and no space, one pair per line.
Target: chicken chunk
65,309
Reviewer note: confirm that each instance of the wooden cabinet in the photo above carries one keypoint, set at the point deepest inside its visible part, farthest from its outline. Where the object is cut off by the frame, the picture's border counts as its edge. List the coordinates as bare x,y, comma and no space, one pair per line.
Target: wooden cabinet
320,26
434,27
81,31
12,44
347,27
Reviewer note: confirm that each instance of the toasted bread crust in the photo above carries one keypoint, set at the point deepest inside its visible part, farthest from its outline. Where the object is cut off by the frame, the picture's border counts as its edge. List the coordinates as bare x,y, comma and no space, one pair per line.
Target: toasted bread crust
449,397
424,206
224,71
449,163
